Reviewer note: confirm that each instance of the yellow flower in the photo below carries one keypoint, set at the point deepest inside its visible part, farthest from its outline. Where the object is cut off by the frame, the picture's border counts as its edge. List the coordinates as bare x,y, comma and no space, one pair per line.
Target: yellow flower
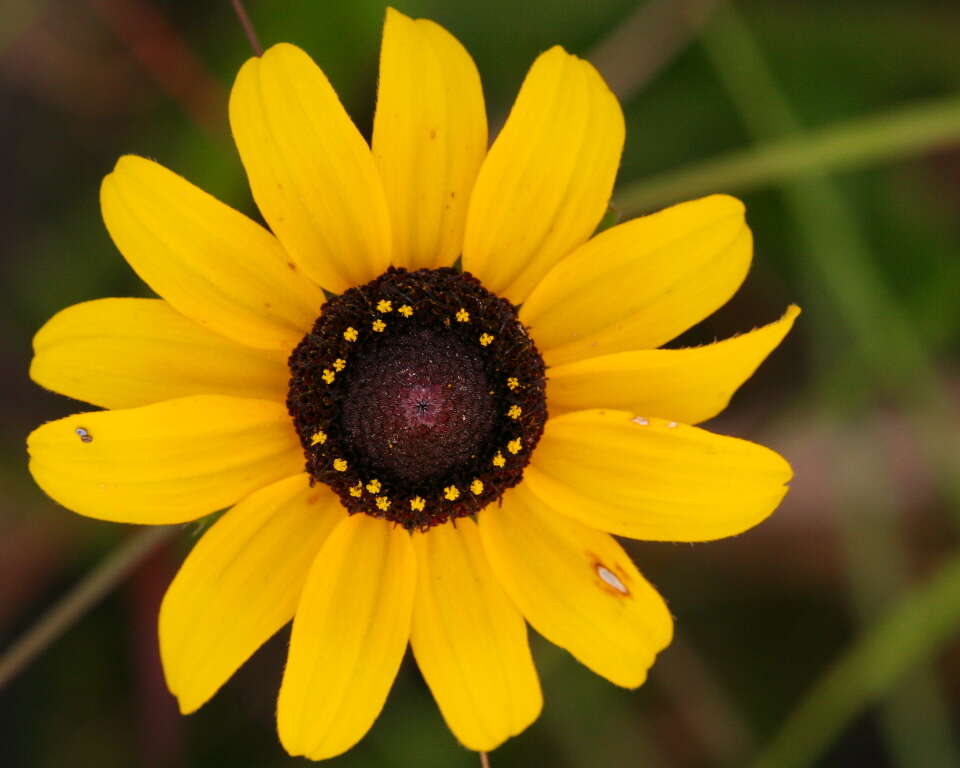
196,386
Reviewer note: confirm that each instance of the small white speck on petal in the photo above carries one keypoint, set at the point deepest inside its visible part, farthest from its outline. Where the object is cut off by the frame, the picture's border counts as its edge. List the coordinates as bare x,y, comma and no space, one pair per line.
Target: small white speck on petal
671,425
610,578
642,421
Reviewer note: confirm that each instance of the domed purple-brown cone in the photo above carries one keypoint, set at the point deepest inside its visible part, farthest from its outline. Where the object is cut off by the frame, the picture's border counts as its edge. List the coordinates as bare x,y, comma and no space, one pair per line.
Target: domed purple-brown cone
418,397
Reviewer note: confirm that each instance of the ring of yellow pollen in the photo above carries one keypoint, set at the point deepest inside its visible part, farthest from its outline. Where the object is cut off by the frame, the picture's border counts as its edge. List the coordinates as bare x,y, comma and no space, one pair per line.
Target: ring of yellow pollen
428,393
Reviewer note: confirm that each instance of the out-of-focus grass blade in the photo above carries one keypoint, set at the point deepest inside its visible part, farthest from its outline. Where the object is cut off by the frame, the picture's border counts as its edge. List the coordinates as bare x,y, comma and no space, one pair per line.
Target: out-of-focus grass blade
892,352
910,634
17,16
860,142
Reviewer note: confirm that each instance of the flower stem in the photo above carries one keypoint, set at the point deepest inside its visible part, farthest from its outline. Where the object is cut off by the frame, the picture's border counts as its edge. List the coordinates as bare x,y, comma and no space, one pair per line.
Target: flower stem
839,257
646,41
848,145
916,628
251,33
81,598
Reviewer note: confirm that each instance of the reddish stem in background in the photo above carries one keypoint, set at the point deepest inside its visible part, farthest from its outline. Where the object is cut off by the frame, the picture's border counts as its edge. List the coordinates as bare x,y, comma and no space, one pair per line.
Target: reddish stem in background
155,44
160,730
247,26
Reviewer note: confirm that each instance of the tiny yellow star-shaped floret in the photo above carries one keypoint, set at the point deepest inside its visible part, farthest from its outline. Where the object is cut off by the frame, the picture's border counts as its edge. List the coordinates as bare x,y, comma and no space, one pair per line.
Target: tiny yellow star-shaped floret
356,490
476,487
379,325
451,493
514,411
514,446
340,465
498,460
351,334
328,376
406,310
417,504
383,503
513,383
462,316
374,486
486,340
384,306
318,438
339,364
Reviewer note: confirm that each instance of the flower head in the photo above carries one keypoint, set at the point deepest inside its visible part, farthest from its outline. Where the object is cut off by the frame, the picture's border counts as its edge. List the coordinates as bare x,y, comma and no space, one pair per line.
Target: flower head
423,453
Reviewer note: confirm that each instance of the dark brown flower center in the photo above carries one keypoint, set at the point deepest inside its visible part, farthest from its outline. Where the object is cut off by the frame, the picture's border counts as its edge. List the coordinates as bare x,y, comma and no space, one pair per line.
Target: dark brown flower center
418,397
418,405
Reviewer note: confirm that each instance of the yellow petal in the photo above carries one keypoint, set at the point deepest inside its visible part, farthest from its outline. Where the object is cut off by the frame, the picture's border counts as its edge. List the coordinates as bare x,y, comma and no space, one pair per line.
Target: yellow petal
121,353
164,463
240,584
349,635
647,478
546,182
429,138
310,171
688,385
576,586
470,641
210,262
641,283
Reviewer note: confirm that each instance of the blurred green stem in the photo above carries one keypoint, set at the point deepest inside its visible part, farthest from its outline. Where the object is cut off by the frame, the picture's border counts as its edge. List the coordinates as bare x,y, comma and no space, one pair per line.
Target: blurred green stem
870,502
860,142
715,721
889,348
244,18
919,625
645,42
600,732
81,598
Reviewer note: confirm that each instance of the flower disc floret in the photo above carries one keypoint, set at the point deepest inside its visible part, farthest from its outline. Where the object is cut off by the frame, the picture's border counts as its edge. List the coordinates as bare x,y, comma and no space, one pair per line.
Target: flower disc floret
421,407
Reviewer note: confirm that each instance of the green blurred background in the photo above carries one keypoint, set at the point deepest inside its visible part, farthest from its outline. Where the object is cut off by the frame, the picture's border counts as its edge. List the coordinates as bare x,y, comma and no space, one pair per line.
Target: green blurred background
825,636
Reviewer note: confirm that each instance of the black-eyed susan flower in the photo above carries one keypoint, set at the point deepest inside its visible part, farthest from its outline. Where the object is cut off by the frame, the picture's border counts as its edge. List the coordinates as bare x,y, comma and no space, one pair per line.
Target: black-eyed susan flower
385,450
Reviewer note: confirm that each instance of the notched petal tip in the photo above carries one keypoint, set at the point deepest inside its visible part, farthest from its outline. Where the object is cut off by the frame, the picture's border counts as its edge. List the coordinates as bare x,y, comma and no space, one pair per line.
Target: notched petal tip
685,484
283,49
548,177
556,51
392,15
429,138
348,637
689,385
562,55
709,210
137,168
275,54
310,170
726,205
127,162
240,584
185,706
551,566
642,282
163,463
210,262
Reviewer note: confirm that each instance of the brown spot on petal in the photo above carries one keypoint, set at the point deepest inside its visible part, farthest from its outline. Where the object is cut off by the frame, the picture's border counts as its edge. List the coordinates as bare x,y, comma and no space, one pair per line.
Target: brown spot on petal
612,580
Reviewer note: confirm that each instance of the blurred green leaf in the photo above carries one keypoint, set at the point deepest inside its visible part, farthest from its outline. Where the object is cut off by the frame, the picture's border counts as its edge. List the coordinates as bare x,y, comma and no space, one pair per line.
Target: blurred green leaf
913,632
864,141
